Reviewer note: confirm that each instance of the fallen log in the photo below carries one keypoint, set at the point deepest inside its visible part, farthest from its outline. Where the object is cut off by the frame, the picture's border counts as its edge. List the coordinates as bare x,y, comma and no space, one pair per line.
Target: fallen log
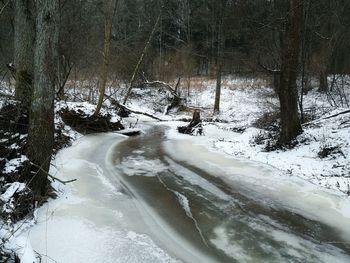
176,100
129,132
124,111
326,118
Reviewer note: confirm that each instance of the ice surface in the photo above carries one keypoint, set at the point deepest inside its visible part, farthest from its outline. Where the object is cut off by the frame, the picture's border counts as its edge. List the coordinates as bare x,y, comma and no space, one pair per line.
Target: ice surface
138,165
196,180
25,251
264,183
232,249
93,221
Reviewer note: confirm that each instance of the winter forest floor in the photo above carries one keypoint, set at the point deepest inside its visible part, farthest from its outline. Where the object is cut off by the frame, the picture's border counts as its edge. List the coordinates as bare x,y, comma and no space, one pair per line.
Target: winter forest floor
245,128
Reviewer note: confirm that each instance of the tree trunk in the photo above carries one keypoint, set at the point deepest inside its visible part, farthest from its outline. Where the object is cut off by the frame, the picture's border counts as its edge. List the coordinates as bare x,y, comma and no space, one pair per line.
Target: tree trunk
110,6
323,82
218,88
24,40
220,47
41,119
288,94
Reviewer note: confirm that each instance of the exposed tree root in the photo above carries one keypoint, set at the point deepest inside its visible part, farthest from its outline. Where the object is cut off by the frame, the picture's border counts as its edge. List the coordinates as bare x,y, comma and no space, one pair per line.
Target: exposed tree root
89,124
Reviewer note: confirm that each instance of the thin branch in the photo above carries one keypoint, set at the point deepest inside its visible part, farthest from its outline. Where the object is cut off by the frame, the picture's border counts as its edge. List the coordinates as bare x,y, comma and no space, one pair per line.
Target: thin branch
3,8
335,115
117,104
161,83
143,54
51,176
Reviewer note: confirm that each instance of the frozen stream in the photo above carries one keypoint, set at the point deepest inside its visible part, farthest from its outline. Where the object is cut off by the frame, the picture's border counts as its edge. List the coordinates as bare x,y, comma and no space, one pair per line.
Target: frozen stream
148,199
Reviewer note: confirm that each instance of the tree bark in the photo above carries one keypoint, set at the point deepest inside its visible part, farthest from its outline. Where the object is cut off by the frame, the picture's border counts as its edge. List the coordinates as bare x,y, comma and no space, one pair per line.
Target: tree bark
24,40
41,119
323,83
288,94
110,7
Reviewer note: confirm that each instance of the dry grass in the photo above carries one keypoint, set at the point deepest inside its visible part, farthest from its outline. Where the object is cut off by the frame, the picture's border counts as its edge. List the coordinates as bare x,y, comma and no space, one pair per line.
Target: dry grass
200,83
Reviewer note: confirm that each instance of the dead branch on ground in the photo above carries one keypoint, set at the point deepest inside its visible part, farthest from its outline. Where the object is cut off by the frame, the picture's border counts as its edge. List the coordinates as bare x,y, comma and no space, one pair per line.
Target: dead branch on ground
51,176
127,109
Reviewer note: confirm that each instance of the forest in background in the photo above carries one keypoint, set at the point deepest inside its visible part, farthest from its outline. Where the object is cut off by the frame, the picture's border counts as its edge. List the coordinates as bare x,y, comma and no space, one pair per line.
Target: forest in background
191,36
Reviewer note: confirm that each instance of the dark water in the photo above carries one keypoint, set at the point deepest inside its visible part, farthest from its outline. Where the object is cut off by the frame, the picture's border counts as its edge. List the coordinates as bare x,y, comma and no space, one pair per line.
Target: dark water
216,220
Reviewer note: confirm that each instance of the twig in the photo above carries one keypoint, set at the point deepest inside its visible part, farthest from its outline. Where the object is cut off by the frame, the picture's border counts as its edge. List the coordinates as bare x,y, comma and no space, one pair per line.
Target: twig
3,8
143,54
161,83
335,115
51,176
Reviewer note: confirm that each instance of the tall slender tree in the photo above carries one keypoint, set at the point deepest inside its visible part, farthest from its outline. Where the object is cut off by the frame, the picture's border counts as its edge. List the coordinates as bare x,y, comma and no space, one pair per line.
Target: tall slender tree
41,119
288,94
143,54
109,11
219,53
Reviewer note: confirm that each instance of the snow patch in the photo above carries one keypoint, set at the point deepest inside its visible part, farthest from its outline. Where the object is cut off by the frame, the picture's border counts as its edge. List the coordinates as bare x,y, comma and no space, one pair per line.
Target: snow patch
13,164
11,190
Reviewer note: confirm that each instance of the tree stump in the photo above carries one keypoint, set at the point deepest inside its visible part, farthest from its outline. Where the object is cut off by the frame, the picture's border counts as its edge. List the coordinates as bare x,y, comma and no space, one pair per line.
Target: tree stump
194,127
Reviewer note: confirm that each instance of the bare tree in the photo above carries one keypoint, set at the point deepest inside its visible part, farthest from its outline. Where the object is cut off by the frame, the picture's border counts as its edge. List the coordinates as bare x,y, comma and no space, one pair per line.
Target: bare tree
143,54
219,55
109,11
288,94
41,120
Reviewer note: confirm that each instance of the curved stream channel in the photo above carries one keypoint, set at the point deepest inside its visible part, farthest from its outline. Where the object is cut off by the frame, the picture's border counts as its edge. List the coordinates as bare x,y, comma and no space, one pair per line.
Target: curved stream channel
190,210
